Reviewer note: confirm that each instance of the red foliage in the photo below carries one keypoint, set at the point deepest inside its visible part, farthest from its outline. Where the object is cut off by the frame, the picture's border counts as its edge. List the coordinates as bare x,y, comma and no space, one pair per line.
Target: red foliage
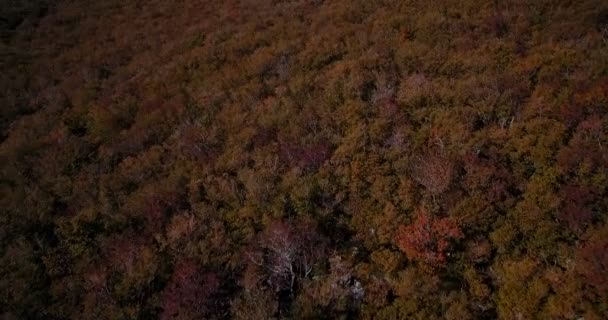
156,208
192,143
264,137
123,252
427,239
576,213
484,174
497,23
592,96
593,263
137,139
306,157
96,279
571,114
584,147
189,292
592,128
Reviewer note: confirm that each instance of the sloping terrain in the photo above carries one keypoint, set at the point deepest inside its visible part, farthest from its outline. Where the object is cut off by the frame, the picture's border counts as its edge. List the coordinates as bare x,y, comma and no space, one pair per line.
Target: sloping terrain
304,159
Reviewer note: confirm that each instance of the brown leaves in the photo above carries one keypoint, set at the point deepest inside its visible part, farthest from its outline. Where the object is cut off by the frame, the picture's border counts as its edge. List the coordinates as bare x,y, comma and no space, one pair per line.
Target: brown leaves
416,90
181,226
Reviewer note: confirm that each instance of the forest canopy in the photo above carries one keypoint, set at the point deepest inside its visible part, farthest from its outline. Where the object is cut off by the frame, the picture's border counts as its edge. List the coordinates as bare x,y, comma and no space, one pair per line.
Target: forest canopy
304,159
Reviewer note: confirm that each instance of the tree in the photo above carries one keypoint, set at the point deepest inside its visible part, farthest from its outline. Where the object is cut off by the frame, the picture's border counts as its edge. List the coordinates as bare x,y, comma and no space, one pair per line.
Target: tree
287,251
592,263
523,289
427,239
255,304
575,212
434,171
189,293
306,157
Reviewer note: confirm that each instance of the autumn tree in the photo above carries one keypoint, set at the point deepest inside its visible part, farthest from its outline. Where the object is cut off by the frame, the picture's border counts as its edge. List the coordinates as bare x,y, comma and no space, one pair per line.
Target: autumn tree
306,157
427,239
576,213
189,293
333,293
592,263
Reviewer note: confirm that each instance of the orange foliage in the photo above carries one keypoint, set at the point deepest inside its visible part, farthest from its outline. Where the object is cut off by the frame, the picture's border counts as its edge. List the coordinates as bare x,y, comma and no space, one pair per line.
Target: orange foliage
427,239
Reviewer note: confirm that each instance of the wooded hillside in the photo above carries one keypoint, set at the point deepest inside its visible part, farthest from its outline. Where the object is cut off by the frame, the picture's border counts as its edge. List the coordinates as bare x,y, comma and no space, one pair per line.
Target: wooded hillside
305,159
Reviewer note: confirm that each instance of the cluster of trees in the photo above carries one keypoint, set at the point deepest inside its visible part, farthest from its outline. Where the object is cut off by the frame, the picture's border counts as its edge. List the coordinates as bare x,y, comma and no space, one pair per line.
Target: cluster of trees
304,159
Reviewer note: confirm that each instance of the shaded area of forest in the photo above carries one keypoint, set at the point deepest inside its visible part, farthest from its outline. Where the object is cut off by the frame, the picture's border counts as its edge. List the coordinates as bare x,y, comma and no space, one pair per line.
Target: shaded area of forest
304,159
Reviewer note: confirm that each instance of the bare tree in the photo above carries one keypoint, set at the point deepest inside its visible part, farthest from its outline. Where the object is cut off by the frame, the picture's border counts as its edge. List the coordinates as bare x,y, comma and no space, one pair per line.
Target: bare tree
433,170
287,251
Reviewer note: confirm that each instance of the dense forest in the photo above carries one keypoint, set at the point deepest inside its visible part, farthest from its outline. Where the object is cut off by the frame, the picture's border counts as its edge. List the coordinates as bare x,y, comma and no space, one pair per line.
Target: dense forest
304,159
